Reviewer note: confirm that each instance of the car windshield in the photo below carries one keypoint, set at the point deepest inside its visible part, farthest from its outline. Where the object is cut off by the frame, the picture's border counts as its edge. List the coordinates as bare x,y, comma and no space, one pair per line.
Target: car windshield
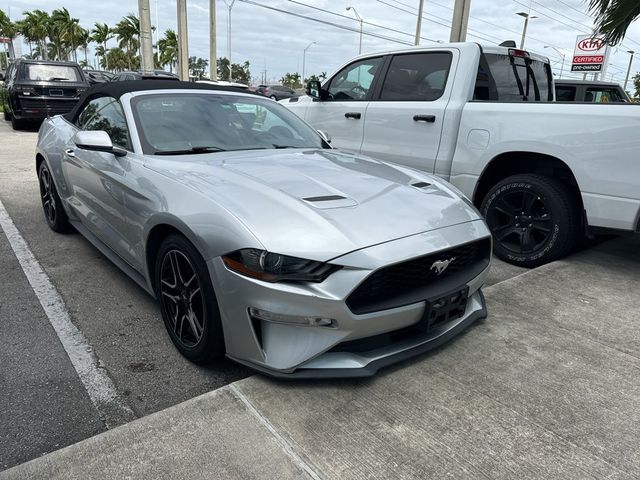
52,73
193,123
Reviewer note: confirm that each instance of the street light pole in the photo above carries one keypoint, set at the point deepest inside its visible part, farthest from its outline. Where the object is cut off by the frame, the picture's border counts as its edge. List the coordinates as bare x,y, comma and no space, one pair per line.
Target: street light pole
359,18
526,16
459,21
626,79
229,7
561,55
419,23
304,58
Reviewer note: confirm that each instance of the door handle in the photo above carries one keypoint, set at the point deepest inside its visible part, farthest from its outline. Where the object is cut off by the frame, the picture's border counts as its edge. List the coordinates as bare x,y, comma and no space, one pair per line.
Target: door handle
355,115
70,153
424,118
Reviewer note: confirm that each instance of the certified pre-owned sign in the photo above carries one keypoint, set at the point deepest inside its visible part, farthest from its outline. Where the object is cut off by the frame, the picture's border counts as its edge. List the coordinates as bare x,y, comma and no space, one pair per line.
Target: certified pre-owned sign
589,54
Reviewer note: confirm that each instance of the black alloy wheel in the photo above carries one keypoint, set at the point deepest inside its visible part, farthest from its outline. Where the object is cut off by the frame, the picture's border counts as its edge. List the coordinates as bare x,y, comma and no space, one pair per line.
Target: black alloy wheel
187,301
534,219
51,205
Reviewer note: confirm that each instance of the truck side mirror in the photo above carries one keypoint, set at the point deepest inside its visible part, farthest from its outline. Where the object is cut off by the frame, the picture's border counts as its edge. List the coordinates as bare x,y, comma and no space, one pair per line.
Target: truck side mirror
314,89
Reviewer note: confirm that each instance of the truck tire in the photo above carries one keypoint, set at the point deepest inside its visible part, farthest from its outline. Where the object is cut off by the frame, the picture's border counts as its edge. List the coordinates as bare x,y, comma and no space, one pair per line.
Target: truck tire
7,116
17,124
534,219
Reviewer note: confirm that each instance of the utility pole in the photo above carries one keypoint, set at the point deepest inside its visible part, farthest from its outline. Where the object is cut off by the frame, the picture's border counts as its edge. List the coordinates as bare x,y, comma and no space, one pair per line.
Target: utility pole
460,21
213,58
146,42
526,16
626,79
419,23
183,43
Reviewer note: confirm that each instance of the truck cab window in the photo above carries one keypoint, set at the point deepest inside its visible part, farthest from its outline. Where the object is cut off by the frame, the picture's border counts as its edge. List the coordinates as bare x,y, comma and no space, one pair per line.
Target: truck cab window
417,77
354,81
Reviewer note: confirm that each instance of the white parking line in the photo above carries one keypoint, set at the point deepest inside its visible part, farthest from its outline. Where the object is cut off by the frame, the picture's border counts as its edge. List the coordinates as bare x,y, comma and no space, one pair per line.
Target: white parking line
111,407
284,444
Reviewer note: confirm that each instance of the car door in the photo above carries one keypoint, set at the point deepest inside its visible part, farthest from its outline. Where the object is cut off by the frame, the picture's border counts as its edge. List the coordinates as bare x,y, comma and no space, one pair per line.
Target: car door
403,124
340,112
96,178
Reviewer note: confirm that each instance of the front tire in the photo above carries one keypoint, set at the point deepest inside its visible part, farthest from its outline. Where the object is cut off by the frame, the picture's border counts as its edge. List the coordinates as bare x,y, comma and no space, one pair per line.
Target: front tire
7,115
273,97
187,301
533,219
54,212
17,124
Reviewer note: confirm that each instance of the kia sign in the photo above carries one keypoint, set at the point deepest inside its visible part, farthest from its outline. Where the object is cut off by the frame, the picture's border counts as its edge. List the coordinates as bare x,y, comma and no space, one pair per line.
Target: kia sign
590,54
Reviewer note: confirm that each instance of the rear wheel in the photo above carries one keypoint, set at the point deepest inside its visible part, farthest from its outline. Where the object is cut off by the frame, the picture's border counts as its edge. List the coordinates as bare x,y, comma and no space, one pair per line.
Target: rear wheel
16,123
273,97
187,301
534,219
51,204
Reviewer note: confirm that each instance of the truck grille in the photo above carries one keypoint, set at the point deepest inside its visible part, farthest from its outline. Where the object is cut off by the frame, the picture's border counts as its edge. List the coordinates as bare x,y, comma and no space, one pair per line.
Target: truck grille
416,280
48,106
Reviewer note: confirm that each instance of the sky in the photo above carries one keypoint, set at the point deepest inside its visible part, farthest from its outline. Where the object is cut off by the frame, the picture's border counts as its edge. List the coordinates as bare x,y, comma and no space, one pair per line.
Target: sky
273,41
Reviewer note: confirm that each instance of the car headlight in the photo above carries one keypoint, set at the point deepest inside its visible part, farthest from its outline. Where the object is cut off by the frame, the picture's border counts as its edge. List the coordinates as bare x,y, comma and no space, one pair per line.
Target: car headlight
273,267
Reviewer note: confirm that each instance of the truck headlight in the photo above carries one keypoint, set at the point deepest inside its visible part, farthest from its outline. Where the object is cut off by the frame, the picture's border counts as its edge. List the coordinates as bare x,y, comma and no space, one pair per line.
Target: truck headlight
273,267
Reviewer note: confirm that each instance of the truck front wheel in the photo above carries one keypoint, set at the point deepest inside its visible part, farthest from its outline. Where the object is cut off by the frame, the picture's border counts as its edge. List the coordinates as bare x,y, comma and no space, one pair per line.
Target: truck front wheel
533,219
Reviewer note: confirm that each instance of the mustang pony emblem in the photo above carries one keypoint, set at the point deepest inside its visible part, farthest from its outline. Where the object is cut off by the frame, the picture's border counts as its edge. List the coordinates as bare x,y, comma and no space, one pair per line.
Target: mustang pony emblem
441,265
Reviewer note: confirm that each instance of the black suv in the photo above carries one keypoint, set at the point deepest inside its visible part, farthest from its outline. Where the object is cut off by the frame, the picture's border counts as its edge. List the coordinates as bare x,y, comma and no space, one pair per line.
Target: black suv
36,89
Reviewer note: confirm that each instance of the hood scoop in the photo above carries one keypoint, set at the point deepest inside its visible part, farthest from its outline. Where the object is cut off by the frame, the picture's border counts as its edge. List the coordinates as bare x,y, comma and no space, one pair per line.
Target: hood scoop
330,201
421,184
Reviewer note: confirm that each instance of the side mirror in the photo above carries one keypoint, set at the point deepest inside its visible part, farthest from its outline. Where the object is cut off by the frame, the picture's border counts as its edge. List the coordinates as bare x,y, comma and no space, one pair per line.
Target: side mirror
314,89
325,136
97,141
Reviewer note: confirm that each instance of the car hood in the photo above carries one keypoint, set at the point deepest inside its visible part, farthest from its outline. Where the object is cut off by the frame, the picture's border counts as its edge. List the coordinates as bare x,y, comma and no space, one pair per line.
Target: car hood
319,204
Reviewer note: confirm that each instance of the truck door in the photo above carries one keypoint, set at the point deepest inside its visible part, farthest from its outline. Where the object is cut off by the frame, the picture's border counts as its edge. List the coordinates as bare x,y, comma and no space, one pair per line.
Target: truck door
341,112
403,123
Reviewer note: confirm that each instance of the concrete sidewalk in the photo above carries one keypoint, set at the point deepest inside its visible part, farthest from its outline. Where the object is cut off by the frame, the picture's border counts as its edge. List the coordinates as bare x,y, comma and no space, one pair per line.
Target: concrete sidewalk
547,387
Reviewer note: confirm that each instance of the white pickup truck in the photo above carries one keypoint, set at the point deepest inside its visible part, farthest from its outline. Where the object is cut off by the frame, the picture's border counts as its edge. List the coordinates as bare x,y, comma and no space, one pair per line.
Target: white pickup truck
542,173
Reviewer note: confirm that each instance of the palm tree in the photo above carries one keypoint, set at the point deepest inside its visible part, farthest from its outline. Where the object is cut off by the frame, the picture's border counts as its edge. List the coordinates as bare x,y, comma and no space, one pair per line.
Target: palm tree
101,34
613,17
127,32
84,38
168,47
8,29
35,26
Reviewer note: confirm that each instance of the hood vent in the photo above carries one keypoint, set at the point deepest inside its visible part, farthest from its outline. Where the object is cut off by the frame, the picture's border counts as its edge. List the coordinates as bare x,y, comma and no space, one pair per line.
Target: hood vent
421,184
325,198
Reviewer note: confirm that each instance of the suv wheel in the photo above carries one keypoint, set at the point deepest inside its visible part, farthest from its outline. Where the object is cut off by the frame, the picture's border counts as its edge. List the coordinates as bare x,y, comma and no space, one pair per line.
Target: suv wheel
17,124
187,301
273,97
7,115
534,219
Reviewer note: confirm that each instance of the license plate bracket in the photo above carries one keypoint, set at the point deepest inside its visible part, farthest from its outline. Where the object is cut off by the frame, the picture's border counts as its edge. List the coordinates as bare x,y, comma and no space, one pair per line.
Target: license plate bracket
445,308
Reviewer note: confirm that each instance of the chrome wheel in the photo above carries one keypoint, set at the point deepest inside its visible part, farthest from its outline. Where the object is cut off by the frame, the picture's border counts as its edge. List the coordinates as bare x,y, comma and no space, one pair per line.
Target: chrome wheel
181,298
47,193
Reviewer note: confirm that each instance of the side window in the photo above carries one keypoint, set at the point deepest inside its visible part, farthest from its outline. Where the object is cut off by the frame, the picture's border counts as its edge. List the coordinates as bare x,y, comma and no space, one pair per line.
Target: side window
354,81
417,77
565,94
110,118
603,95
90,110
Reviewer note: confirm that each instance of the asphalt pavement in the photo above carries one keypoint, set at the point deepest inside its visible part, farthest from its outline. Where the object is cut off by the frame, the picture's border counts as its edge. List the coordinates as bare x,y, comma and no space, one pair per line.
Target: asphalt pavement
43,404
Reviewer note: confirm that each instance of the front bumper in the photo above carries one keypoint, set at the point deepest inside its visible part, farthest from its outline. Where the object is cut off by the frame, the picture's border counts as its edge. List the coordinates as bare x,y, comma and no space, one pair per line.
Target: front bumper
296,351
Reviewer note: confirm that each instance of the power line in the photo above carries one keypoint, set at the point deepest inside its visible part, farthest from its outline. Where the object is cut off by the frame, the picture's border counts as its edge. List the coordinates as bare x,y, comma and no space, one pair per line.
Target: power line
447,25
336,25
364,21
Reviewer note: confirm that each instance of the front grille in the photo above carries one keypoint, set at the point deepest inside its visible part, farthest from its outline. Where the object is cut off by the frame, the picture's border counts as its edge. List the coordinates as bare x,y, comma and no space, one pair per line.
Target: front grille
417,280
52,107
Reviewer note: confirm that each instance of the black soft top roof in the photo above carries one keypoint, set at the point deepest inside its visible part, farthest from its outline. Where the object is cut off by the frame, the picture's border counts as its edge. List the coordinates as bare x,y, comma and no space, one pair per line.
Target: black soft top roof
117,89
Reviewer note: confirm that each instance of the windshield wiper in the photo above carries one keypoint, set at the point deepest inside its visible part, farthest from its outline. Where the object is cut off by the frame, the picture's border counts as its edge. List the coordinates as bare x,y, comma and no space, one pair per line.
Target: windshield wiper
189,151
53,79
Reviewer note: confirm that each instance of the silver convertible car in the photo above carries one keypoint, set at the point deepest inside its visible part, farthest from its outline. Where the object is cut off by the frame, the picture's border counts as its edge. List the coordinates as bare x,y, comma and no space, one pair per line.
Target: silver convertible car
257,238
